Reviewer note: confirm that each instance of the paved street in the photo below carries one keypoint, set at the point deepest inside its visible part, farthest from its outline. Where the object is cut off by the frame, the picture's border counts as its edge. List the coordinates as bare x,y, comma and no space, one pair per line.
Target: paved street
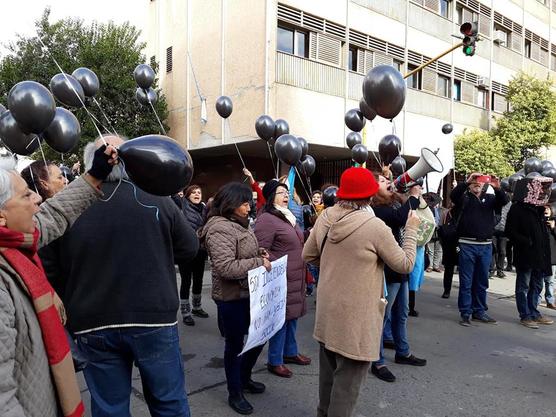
485,370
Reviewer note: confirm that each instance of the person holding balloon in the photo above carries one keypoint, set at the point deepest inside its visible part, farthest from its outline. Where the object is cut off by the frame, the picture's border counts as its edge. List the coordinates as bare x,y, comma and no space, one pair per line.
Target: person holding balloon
278,232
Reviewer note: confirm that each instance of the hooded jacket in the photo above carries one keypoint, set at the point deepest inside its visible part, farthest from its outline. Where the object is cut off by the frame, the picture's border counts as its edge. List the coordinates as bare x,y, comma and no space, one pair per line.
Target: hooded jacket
233,251
350,307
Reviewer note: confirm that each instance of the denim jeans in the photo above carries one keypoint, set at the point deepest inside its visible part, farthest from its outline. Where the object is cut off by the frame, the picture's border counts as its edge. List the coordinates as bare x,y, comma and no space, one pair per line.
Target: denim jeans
474,262
395,319
234,318
283,343
156,353
528,286
549,287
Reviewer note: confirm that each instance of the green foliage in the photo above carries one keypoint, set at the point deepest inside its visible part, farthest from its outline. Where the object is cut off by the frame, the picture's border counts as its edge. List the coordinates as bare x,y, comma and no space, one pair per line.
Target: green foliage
478,151
111,51
530,124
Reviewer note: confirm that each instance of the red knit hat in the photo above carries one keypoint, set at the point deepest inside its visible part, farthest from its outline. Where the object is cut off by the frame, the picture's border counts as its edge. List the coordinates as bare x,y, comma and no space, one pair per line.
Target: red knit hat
357,184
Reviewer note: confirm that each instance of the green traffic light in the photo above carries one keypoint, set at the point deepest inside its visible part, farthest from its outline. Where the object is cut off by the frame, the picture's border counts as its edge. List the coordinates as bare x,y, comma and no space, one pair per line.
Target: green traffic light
469,50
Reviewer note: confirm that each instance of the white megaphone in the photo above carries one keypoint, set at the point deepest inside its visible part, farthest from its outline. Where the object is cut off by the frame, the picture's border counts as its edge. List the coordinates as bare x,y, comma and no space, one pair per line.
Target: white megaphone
428,162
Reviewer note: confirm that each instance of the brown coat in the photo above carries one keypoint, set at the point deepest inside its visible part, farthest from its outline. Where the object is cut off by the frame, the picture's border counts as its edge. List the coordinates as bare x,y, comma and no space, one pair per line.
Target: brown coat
233,251
280,238
350,306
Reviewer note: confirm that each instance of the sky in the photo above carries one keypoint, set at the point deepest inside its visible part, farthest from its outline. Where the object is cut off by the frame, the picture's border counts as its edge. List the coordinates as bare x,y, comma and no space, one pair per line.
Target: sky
19,16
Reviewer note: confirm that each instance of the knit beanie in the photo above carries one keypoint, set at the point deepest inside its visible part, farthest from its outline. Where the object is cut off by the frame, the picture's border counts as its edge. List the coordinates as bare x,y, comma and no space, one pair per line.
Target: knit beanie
357,184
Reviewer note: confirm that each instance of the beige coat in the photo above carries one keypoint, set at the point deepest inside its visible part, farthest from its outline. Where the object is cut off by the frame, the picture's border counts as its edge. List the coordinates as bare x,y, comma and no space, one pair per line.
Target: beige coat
350,304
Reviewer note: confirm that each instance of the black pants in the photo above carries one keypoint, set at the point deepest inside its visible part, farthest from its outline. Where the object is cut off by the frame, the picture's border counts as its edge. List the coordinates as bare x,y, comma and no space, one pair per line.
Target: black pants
234,318
195,268
448,276
499,246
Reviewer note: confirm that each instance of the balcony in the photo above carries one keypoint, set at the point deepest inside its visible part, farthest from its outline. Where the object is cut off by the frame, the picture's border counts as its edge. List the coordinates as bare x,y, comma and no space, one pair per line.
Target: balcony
311,75
507,58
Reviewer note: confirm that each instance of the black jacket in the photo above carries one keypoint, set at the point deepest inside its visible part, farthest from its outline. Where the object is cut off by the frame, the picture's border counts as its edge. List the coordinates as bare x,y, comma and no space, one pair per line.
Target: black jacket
193,214
395,218
120,260
527,229
477,219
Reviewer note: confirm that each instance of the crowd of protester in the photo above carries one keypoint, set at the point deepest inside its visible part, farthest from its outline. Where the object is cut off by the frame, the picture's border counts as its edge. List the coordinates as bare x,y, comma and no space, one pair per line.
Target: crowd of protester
74,286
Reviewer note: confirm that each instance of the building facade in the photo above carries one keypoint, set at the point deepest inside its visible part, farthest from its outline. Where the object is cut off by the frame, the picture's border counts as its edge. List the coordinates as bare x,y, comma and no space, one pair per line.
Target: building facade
304,61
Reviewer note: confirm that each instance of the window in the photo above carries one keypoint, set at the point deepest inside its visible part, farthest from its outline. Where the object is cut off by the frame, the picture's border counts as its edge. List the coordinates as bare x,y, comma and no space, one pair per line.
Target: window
482,98
443,86
445,8
352,60
527,48
456,90
415,80
502,36
293,41
459,14
553,62
169,59
398,65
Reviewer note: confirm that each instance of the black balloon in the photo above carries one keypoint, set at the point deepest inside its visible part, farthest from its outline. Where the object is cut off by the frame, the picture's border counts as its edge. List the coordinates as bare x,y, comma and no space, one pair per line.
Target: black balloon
388,148
32,106
88,80
533,174
447,128
2,109
352,139
398,166
264,126
505,184
359,154
14,139
144,96
281,127
369,113
64,132
354,120
157,164
288,149
67,90
224,106
304,146
532,165
309,165
329,196
143,75
512,179
384,91
550,173
545,164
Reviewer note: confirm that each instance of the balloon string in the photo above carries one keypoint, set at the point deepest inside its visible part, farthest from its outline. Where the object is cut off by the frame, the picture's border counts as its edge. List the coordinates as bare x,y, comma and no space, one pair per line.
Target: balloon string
271,157
105,116
33,179
229,132
156,115
101,125
194,77
44,160
304,188
74,90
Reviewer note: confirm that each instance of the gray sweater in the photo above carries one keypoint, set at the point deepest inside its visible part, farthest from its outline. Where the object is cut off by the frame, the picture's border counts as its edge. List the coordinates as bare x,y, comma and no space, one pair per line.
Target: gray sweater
26,387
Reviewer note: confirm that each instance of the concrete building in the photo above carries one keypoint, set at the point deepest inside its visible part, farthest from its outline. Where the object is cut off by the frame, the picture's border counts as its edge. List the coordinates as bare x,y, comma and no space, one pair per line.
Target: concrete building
304,61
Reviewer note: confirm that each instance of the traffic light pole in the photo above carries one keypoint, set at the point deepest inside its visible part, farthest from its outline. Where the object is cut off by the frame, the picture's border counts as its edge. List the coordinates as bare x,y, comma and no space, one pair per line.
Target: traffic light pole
436,58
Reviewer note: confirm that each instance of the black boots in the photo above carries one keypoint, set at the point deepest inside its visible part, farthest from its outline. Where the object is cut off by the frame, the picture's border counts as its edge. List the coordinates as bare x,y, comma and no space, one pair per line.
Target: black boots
239,404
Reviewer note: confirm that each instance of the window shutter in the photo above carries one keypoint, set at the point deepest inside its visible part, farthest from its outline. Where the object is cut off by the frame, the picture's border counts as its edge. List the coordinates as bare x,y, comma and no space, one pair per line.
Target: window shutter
312,45
500,103
329,49
433,5
382,59
429,80
361,61
169,59
535,51
467,15
369,60
544,57
517,42
468,92
484,25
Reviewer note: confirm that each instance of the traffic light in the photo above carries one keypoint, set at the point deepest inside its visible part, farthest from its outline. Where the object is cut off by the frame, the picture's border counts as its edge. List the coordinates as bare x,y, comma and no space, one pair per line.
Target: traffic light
470,32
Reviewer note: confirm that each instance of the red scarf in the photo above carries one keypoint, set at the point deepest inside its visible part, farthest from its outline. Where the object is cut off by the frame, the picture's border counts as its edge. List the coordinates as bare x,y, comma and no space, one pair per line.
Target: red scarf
19,250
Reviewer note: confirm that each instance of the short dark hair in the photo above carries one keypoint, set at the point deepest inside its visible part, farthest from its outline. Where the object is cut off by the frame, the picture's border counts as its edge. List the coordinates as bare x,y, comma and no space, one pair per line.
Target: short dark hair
228,198
189,190
34,173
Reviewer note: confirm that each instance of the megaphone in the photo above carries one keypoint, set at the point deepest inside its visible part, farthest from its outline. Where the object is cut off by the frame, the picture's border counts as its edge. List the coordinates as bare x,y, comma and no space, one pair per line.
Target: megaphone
428,162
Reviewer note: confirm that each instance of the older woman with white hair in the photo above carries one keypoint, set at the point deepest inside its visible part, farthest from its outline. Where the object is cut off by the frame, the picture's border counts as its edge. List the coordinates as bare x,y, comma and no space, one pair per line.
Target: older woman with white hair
36,370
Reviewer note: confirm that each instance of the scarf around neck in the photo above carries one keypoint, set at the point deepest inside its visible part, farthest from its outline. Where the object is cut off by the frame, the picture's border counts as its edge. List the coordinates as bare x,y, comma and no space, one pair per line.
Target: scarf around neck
287,213
19,251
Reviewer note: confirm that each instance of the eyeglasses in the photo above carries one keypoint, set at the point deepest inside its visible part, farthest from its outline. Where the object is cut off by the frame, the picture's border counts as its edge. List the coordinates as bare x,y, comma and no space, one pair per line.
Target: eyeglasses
282,192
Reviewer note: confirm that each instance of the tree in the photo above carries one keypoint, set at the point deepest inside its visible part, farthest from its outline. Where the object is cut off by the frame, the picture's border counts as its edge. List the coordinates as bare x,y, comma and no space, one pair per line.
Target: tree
478,151
111,51
530,124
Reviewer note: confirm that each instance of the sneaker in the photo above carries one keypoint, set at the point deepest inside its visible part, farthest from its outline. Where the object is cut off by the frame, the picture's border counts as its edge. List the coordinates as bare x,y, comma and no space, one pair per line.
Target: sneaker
500,274
543,320
551,306
410,360
199,312
484,318
530,324
413,313
382,373
188,321
464,321
445,294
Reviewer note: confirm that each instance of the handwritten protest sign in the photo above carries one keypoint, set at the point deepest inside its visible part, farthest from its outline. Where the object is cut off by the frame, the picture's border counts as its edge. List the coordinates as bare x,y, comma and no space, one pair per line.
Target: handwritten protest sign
267,292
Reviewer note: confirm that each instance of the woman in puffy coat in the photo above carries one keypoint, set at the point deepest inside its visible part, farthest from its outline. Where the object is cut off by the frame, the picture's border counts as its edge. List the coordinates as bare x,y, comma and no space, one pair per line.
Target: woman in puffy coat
278,233
192,271
234,251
